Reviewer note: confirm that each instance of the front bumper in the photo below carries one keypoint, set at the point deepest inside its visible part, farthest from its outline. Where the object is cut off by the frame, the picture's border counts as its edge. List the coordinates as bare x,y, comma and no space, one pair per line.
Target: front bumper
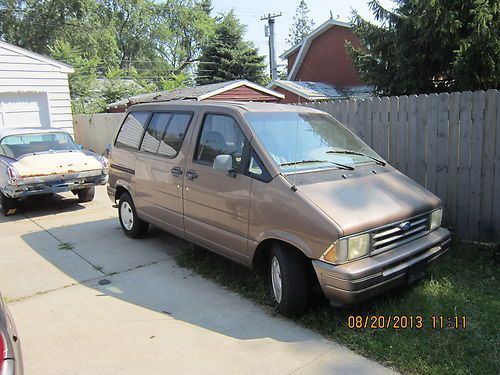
54,184
359,280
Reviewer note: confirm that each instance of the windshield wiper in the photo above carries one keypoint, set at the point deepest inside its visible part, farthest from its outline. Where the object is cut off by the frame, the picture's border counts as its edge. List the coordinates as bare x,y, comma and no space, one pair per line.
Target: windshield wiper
349,152
342,166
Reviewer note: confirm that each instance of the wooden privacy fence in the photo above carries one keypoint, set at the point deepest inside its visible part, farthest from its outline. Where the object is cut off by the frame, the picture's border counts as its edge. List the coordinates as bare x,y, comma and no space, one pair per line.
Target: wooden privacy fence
96,131
449,143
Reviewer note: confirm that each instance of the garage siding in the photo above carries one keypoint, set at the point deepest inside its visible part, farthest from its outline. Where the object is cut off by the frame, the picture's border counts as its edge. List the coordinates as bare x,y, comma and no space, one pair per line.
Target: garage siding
27,82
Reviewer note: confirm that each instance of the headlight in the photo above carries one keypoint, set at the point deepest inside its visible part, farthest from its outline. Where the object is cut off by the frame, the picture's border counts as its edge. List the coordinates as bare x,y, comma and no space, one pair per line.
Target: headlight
436,217
348,249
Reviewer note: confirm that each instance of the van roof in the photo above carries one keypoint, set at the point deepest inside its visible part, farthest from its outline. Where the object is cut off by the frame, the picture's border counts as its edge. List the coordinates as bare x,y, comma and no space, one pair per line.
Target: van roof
242,106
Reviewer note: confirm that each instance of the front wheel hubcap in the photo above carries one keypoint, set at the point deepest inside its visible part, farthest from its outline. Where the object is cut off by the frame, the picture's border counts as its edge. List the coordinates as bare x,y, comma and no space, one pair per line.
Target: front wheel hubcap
276,279
127,215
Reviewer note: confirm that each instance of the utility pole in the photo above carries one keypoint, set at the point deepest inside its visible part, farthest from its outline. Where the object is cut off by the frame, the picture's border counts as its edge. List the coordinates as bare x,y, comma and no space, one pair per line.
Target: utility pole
273,67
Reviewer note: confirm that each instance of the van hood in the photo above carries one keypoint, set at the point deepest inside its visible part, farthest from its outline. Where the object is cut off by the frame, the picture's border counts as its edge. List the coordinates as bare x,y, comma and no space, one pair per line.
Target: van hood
54,163
363,201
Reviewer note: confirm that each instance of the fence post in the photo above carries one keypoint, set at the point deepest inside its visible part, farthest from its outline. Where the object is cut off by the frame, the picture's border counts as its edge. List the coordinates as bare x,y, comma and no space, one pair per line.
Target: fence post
412,136
432,124
442,147
384,127
464,164
402,139
393,131
453,156
496,182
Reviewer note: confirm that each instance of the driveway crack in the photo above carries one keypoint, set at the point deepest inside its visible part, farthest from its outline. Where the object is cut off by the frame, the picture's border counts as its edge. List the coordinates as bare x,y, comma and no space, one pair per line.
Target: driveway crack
94,266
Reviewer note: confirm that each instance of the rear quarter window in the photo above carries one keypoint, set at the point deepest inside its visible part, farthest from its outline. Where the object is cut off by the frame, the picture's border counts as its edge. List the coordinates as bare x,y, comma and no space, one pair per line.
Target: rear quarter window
132,130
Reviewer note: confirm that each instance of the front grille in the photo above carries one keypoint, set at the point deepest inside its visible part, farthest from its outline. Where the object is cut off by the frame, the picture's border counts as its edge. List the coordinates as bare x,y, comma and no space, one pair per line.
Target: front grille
392,235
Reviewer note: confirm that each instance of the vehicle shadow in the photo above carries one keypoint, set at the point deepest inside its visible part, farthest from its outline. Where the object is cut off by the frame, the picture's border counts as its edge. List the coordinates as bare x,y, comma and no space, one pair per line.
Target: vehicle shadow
40,205
143,272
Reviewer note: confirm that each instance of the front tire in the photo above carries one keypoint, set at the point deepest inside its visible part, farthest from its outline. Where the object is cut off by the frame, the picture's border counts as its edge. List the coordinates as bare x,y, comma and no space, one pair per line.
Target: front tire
9,205
86,195
288,280
131,225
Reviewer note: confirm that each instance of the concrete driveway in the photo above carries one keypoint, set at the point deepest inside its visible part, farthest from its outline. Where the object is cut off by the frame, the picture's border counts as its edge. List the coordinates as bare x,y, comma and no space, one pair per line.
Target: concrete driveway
88,300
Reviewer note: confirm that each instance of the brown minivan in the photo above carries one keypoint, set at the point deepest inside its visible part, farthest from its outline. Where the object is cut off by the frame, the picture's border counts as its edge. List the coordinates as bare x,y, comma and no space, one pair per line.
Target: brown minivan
282,188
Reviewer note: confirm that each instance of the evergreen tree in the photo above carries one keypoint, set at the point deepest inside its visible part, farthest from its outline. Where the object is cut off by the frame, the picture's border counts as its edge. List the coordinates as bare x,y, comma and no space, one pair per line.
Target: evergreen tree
302,24
426,46
206,6
227,56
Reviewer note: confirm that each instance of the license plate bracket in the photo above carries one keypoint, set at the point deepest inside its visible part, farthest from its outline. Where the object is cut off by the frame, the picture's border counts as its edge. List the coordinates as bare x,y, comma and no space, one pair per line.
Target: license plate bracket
417,271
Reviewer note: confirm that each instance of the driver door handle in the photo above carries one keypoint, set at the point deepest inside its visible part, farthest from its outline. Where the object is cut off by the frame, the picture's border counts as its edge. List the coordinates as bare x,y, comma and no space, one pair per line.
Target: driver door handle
192,175
176,171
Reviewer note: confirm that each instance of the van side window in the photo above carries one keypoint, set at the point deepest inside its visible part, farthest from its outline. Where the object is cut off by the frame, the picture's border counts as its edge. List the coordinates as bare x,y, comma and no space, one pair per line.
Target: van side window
131,132
220,135
154,132
173,136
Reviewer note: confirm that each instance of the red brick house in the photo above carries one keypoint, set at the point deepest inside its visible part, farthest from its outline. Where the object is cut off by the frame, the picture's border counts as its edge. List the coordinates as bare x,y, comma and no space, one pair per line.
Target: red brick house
320,68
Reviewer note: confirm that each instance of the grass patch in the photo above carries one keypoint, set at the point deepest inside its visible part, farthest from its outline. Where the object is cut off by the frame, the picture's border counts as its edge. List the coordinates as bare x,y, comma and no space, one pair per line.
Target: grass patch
465,281
66,246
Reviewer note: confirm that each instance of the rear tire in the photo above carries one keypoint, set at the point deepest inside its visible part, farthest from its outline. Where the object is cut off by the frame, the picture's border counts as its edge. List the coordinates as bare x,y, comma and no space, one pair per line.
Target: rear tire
131,225
9,205
287,280
86,195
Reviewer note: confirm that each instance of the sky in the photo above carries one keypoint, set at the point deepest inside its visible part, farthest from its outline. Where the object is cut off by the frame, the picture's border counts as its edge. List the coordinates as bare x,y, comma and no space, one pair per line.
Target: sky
250,12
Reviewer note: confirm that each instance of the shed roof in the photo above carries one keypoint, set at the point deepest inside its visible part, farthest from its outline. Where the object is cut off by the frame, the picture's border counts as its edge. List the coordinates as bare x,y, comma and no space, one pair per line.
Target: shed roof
314,91
64,68
192,93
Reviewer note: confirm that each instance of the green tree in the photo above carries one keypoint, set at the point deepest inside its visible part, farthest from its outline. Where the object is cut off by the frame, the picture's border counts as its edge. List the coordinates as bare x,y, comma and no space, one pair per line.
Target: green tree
227,56
302,24
428,46
112,43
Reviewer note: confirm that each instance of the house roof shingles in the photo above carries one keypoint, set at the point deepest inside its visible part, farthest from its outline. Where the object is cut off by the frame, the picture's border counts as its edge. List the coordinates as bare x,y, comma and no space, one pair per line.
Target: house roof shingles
190,93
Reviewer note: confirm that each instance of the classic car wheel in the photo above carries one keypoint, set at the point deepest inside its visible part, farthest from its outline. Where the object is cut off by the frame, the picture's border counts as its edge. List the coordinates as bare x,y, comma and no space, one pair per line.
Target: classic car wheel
86,195
287,280
129,221
9,205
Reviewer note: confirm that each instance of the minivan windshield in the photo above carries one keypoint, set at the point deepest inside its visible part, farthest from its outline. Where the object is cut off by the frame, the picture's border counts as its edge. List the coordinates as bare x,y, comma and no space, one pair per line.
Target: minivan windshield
17,145
299,141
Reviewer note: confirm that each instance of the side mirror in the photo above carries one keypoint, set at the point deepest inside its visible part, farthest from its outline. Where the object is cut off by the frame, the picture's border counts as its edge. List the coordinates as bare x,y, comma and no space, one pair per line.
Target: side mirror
80,147
223,163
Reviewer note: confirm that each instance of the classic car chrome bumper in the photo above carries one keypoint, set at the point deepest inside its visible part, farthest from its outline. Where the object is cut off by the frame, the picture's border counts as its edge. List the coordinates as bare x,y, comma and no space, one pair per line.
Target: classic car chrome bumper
359,280
54,183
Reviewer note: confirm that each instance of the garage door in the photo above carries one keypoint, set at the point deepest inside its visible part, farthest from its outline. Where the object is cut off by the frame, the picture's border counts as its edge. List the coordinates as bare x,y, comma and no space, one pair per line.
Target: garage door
24,110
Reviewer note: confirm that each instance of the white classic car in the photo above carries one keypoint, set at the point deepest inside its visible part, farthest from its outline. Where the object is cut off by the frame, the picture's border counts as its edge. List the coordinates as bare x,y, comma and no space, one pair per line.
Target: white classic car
43,161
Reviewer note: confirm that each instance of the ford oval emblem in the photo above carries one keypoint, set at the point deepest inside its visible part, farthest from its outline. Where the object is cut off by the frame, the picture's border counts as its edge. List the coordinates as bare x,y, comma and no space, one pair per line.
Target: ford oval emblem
405,225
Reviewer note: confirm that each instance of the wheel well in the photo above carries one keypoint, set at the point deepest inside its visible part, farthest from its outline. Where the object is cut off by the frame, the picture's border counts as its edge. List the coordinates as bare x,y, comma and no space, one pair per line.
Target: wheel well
263,250
119,191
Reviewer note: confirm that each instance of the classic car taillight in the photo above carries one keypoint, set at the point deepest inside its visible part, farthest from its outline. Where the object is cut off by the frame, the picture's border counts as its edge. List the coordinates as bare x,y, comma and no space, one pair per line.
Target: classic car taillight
3,350
13,177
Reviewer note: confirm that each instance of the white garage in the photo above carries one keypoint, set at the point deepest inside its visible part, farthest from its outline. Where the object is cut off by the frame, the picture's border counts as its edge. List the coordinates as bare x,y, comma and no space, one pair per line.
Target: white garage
34,90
